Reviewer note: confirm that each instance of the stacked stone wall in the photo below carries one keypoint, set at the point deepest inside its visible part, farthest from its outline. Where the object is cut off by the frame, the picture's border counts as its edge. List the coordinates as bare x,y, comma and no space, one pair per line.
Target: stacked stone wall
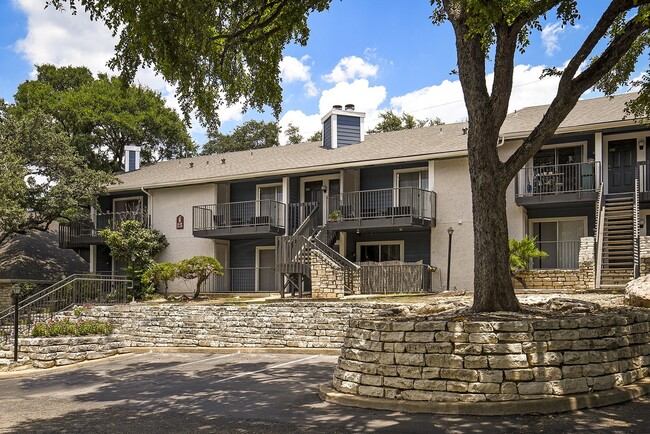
644,255
327,280
274,325
61,351
581,279
456,361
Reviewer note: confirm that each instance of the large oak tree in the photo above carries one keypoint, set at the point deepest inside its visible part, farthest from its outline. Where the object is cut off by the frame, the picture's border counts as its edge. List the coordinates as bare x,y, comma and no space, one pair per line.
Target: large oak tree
223,51
101,115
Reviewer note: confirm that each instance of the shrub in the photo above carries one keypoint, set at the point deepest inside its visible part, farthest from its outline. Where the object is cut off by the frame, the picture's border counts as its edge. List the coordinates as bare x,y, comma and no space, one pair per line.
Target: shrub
65,327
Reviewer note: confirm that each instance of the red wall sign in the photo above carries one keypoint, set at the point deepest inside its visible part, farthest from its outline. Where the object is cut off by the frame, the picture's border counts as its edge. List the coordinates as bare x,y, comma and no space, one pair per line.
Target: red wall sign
180,222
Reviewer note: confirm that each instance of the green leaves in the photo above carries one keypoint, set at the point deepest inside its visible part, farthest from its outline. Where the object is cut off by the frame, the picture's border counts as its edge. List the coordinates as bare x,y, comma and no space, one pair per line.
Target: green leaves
250,135
42,177
522,252
103,114
215,52
199,268
391,122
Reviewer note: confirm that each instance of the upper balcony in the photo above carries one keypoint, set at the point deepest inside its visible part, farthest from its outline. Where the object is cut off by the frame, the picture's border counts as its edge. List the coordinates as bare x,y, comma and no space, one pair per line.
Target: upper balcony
404,207
560,183
85,233
232,220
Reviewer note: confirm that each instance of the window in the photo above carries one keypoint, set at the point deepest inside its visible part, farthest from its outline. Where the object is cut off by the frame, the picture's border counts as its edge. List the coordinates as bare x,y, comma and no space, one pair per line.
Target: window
129,208
416,179
558,155
380,251
268,210
560,239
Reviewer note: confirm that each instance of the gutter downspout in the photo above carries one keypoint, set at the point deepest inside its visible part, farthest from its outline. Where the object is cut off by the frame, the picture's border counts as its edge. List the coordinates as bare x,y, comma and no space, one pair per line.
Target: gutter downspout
150,206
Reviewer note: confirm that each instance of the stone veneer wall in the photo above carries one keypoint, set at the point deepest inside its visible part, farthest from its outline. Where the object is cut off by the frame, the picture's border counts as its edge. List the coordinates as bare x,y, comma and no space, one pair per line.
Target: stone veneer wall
65,350
326,277
275,325
450,361
581,279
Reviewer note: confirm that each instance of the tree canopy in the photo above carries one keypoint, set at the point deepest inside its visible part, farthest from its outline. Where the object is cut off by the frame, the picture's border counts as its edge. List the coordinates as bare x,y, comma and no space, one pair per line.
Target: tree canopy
293,134
102,115
42,177
392,122
249,135
227,51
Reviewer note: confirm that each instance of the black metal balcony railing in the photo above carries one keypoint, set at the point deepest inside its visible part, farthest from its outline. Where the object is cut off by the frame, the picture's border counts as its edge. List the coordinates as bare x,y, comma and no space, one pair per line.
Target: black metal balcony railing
558,179
244,279
238,214
562,255
82,233
383,203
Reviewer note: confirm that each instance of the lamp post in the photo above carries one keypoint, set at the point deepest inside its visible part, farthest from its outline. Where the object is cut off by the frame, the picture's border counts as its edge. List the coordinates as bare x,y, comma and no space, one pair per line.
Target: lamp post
450,231
15,291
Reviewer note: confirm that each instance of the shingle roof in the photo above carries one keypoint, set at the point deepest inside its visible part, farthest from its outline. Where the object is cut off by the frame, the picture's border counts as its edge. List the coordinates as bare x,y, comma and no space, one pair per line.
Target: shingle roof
420,143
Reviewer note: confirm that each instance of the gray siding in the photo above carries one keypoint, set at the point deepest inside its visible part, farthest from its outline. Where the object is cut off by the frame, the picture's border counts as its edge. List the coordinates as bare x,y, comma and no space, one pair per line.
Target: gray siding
377,177
348,130
294,189
242,191
242,252
568,210
416,244
327,133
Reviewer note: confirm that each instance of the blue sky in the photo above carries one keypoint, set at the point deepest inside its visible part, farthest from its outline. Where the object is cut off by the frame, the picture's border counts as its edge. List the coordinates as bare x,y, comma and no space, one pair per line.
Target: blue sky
376,54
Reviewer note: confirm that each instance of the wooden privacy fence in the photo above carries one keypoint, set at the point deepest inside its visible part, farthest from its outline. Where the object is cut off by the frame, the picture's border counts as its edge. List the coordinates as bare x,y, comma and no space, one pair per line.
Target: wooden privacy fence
393,277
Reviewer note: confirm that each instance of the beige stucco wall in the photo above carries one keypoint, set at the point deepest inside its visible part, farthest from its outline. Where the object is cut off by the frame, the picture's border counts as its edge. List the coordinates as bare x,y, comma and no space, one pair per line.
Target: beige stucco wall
454,209
168,203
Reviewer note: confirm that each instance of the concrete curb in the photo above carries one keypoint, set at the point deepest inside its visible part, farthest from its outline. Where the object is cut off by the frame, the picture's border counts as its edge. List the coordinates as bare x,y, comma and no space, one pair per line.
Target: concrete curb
33,372
226,350
534,406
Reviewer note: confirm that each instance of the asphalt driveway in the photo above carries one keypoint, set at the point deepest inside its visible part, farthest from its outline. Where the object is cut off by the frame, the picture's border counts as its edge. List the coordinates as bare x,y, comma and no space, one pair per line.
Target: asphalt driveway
242,393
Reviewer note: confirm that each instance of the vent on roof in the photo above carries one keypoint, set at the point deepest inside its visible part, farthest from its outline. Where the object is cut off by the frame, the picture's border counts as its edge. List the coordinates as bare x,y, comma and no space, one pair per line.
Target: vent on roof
342,127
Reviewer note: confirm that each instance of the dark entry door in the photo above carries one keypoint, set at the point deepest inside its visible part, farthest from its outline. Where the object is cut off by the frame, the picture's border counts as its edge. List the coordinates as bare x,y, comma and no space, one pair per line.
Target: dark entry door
314,193
622,163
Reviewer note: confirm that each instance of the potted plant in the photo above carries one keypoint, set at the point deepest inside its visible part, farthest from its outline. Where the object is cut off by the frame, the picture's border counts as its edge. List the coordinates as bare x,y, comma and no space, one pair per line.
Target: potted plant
335,215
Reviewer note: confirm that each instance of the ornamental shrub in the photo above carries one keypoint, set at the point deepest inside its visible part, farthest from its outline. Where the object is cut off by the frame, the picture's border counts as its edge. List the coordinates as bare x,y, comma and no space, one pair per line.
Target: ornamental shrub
65,327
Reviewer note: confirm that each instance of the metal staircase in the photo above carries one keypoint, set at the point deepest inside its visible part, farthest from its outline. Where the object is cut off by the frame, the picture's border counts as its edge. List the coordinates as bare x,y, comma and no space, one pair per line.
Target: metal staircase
293,255
617,240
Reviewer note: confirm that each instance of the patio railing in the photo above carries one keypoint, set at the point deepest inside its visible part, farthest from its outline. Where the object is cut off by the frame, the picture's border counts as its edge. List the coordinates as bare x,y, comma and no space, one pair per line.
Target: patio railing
238,214
558,179
86,231
383,203
244,279
562,255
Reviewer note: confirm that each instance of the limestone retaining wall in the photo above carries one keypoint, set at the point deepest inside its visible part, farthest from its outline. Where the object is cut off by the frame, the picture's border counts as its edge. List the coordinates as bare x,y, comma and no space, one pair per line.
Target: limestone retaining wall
65,350
290,324
457,361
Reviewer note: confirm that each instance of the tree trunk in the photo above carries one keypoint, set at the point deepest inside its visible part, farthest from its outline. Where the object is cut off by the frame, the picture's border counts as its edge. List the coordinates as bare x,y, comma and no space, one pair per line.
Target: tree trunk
493,289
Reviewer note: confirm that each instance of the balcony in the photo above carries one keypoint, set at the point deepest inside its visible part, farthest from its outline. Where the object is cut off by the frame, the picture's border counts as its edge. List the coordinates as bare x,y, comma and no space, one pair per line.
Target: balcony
407,208
234,220
560,183
85,233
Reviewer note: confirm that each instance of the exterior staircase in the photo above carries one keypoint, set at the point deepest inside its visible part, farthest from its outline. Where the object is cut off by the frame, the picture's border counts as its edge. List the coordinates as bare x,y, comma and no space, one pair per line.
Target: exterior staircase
618,241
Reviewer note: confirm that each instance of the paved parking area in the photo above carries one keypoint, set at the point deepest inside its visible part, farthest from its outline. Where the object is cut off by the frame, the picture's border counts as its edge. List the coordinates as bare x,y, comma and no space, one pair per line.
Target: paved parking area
242,393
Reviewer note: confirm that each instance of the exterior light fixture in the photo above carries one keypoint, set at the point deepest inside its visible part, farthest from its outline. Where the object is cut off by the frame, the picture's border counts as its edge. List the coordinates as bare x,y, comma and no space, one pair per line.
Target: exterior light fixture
450,231
641,144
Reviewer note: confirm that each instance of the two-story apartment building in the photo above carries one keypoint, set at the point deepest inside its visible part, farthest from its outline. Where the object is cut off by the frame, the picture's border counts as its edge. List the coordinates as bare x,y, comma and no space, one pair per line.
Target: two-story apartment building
386,197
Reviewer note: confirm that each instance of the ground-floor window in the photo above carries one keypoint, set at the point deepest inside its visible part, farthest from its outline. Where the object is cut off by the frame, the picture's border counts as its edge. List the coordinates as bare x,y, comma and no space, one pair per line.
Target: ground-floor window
560,239
380,251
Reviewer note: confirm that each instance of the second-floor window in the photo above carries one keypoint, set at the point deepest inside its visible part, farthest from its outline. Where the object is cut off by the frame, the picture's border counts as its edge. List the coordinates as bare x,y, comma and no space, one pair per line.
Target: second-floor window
558,156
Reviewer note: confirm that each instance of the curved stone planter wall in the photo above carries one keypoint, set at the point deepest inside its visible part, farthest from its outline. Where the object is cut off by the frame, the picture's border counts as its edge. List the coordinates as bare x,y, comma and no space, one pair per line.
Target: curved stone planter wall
449,361
65,350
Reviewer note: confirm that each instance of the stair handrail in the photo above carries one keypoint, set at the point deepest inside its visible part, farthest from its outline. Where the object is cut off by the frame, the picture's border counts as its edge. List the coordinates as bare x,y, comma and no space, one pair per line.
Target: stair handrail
637,258
333,254
29,302
600,223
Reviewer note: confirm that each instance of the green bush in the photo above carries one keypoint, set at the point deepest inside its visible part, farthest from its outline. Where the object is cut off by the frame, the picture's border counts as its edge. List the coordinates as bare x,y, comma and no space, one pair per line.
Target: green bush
65,327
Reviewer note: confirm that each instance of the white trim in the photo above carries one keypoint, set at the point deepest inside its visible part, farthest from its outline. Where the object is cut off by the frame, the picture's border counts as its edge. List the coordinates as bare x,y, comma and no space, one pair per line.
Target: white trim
432,168
92,258
381,243
258,249
584,219
334,142
397,172
258,187
326,183
607,139
123,199
582,144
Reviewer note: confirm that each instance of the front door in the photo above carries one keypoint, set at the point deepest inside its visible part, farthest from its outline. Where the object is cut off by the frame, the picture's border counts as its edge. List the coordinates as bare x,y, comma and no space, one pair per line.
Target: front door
622,163
267,280
314,193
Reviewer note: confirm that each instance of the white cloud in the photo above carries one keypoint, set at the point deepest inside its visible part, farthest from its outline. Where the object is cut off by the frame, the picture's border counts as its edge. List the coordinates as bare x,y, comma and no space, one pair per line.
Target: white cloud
350,68
292,69
550,36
